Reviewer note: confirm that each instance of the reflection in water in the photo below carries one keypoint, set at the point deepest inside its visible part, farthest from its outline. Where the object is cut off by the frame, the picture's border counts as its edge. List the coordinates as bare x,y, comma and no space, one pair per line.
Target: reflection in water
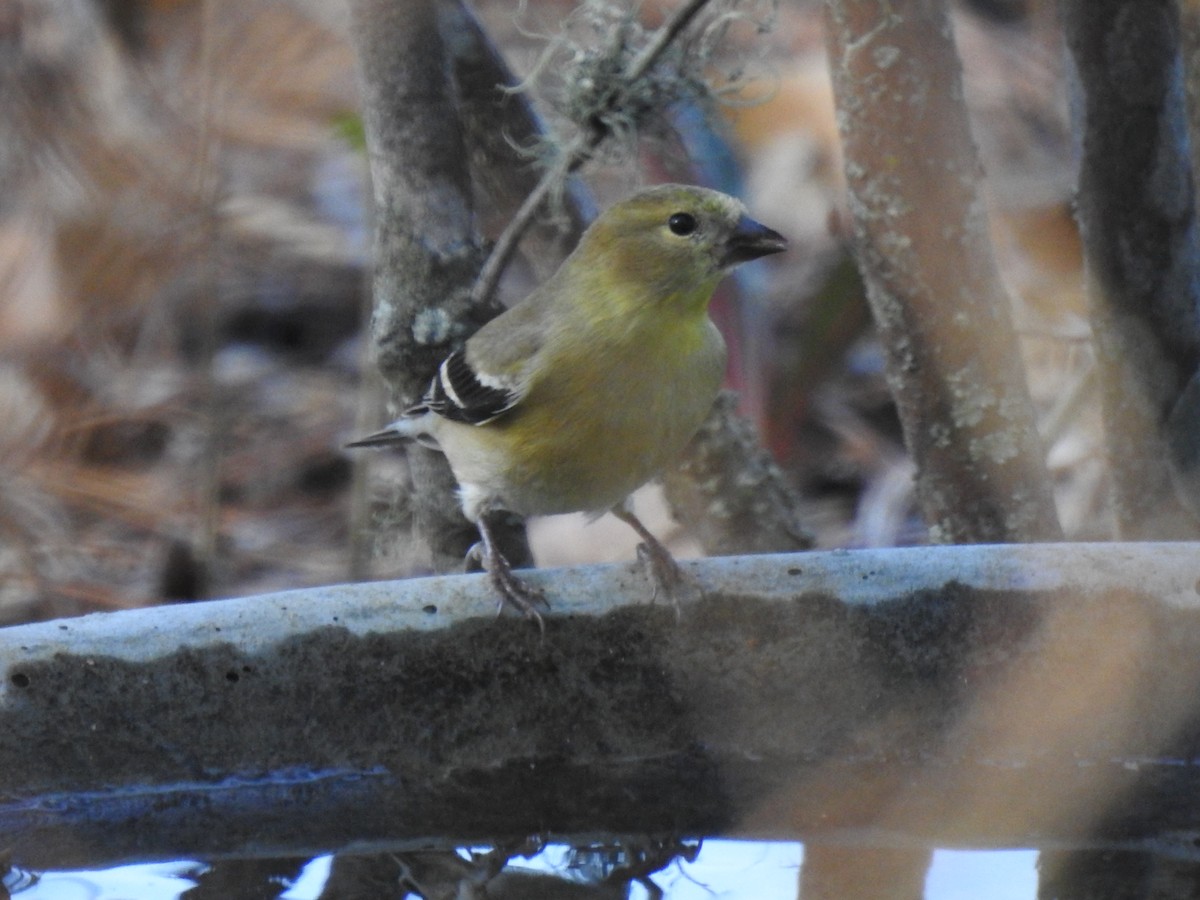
13,878
723,870
842,872
970,875
149,881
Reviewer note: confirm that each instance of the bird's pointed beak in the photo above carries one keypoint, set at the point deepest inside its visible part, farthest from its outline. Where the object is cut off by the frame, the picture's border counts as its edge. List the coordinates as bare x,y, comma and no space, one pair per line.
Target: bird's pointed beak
750,240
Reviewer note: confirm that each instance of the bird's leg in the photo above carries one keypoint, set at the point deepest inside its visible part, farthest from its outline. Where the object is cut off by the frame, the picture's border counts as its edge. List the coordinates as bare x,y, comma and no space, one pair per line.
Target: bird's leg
511,589
664,570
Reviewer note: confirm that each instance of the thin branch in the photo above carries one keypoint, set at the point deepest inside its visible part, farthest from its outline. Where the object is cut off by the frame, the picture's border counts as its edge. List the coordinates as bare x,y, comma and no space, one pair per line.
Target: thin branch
506,244
576,153
498,122
671,29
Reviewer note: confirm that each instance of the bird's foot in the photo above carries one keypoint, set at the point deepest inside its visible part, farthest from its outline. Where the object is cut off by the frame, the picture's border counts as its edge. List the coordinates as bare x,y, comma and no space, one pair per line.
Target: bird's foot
664,572
668,579
512,590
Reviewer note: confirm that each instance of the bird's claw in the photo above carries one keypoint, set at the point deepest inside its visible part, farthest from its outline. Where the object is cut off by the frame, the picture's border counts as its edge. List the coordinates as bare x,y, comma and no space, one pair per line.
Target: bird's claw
519,594
660,565
512,590
667,577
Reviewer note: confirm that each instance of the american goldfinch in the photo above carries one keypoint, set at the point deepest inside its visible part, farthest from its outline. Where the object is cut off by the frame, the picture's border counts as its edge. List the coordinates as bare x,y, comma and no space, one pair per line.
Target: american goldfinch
577,395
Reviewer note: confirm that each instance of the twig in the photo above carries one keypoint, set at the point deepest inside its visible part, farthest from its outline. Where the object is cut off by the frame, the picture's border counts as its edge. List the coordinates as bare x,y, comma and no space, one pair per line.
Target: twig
663,38
575,154
506,244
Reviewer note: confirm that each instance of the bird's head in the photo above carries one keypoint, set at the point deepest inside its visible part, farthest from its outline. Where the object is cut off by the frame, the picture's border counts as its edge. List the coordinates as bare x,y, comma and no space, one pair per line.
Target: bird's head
677,239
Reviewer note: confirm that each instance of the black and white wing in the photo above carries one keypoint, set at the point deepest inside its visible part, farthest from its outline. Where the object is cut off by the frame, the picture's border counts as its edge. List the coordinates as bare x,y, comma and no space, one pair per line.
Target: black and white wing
459,393
479,382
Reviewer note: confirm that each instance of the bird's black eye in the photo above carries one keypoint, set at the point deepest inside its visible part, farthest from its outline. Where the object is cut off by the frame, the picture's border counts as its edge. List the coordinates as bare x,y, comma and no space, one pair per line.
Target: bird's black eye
682,223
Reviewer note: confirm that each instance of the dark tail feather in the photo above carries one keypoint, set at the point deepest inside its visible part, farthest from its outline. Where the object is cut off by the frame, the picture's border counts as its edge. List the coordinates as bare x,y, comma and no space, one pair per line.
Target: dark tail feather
386,438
